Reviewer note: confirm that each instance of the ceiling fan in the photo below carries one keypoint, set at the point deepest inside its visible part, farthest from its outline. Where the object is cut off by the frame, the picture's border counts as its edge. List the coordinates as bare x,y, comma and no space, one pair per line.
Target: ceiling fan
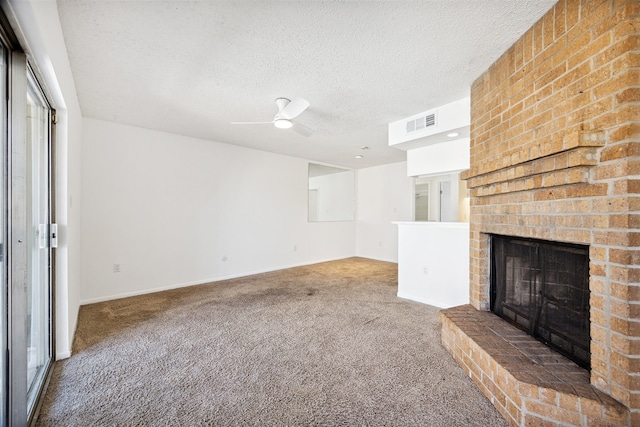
287,110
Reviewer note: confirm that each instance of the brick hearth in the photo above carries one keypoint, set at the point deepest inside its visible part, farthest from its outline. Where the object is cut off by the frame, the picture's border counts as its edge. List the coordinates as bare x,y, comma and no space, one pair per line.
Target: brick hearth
526,381
555,155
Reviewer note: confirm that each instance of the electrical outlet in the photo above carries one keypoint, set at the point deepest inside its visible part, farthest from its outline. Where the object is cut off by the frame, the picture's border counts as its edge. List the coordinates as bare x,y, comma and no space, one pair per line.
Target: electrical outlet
295,248
425,270
116,268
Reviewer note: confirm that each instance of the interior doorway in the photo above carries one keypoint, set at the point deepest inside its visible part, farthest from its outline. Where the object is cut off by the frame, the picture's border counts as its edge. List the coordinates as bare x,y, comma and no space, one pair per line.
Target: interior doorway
422,201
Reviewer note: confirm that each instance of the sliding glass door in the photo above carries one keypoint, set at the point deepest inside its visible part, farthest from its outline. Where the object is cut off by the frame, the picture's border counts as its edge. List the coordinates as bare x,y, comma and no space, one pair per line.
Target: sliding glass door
38,314
25,236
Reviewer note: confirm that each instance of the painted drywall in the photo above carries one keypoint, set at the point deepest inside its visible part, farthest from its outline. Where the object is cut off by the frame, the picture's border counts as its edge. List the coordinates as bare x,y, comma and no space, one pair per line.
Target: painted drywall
170,211
433,265
385,195
441,158
38,28
452,117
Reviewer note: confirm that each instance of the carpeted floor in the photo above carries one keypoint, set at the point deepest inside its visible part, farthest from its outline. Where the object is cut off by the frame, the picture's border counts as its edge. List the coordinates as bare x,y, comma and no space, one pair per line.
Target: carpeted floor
328,344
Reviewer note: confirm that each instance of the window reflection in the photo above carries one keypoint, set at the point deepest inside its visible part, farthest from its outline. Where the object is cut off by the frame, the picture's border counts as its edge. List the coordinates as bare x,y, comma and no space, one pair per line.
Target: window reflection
331,193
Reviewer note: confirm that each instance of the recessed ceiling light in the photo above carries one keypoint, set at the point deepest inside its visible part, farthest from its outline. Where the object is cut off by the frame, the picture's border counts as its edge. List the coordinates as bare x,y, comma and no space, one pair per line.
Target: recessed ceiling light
358,156
453,134
282,123
364,147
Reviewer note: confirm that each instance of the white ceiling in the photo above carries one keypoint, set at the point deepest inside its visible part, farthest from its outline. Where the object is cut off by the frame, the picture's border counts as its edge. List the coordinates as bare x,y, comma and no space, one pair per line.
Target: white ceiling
192,67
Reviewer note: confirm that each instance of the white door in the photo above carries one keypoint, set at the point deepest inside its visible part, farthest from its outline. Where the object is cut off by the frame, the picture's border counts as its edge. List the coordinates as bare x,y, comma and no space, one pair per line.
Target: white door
446,208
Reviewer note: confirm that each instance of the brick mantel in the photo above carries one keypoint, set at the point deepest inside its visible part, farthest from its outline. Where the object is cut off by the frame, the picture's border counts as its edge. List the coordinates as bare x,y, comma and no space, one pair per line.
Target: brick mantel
555,155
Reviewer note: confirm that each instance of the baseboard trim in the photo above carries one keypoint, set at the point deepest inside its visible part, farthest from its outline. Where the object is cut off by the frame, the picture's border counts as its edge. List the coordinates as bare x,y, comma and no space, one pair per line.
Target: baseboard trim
199,282
422,300
63,355
392,261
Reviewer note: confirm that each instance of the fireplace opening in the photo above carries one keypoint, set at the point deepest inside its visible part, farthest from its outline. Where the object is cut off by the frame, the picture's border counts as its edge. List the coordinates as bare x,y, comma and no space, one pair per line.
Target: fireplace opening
542,287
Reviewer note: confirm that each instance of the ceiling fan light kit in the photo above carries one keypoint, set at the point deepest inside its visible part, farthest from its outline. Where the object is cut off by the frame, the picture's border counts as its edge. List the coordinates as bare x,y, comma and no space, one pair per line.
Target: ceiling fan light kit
282,123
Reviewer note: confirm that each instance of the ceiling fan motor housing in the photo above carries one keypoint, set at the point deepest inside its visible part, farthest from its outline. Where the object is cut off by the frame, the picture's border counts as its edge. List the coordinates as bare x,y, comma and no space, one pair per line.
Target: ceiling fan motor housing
281,103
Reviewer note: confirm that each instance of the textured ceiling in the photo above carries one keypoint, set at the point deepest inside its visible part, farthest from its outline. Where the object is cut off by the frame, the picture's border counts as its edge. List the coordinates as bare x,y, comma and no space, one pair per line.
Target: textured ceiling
192,67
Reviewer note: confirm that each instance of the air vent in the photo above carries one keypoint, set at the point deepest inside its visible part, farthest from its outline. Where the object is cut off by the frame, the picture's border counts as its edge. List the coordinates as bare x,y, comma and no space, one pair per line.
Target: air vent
421,123
430,120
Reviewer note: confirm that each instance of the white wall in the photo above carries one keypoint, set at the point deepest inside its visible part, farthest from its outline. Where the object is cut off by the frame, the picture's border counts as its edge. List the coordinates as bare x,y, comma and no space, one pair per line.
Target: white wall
38,27
441,158
433,263
173,210
385,194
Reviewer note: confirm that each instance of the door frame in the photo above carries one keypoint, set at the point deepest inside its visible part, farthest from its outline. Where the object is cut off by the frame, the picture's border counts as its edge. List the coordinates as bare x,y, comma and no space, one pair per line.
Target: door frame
18,412
17,253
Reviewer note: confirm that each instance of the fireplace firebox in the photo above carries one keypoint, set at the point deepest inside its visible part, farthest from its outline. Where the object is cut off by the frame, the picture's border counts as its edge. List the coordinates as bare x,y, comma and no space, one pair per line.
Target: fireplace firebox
542,288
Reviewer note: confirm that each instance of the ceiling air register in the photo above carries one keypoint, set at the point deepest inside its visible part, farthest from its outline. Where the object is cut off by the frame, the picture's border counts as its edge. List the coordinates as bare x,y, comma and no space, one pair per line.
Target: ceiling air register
421,123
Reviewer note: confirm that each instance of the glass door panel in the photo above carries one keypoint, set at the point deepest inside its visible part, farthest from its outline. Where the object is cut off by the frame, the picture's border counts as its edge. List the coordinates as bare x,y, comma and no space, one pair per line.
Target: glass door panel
38,249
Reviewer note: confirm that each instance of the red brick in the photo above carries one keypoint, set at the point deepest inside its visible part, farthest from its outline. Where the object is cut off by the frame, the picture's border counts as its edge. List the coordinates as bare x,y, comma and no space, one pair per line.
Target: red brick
536,172
531,420
620,151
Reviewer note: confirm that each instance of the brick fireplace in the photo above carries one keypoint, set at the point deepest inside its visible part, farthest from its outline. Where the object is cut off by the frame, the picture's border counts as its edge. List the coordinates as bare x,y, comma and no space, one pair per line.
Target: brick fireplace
555,156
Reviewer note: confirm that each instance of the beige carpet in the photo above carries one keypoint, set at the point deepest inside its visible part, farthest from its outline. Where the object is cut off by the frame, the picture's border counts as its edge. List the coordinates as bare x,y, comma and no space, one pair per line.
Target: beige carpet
323,345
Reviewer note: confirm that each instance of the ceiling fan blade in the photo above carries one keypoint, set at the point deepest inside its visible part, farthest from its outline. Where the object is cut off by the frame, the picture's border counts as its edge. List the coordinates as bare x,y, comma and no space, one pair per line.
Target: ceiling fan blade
252,123
302,129
294,108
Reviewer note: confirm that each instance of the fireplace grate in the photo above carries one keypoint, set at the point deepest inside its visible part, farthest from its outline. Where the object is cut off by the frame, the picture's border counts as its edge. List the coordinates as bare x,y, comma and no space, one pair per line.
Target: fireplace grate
542,287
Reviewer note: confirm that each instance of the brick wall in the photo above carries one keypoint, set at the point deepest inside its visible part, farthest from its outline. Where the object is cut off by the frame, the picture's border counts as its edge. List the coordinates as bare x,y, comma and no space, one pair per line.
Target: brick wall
555,154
